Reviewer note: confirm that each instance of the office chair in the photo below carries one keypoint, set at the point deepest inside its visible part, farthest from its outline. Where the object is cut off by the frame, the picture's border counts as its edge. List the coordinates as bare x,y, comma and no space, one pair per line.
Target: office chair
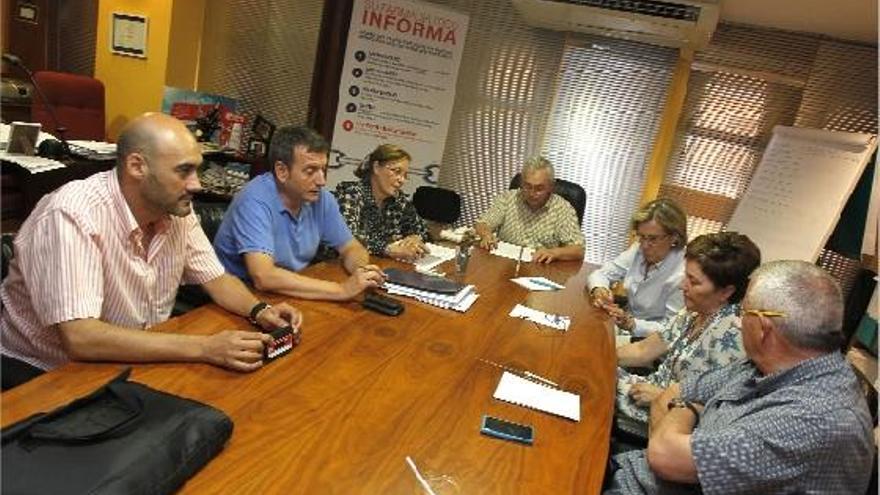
190,297
437,204
78,102
573,193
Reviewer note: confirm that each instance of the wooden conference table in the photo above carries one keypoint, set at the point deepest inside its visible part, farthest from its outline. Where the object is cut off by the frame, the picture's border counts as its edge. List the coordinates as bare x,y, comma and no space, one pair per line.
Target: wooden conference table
363,391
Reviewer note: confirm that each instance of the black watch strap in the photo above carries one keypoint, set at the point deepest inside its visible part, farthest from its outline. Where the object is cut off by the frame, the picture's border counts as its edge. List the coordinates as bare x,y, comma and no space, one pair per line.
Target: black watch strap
255,311
679,402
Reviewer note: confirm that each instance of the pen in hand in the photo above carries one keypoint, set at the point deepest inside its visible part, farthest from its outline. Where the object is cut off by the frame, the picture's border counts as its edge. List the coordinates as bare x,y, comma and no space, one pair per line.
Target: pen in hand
519,261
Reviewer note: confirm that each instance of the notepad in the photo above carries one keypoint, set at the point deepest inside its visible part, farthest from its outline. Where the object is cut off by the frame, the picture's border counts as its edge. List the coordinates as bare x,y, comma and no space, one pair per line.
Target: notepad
437,255
527,393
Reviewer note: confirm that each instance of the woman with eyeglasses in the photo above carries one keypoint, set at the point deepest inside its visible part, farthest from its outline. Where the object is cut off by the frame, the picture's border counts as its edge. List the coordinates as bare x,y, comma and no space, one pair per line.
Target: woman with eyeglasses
378,212
650,271
703,336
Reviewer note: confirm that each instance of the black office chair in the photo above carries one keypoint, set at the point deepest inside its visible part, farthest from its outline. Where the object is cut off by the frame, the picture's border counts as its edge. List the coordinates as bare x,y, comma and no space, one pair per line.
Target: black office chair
573,193
437,204
190,297
7,251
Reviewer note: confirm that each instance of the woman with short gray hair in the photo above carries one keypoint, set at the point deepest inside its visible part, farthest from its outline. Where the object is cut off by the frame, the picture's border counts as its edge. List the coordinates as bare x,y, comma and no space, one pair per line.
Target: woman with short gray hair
651,271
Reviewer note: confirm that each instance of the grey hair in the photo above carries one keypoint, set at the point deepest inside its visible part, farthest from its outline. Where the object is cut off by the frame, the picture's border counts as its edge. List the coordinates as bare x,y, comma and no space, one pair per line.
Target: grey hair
810,298
536,163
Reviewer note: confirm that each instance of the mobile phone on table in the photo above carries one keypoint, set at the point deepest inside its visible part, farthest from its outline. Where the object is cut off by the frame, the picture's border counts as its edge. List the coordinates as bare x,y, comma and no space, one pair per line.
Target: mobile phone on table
506,430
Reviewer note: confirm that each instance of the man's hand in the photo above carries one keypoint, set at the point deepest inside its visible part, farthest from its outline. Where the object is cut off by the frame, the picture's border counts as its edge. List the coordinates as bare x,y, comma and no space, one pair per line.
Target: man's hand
407,249
488,241
644,393
545,256
236,350
365,277
279,315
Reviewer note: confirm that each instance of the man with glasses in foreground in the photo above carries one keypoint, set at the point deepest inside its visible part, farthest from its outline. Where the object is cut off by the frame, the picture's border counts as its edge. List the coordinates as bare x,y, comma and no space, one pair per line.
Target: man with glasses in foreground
275,224
535,217
789,419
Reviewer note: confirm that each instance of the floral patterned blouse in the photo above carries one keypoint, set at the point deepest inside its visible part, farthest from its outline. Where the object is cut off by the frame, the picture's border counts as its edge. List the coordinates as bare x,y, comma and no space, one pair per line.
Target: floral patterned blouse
377,227
718,345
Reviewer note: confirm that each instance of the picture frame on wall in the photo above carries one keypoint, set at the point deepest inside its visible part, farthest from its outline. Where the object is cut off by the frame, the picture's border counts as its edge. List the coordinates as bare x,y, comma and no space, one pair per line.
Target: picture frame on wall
128,35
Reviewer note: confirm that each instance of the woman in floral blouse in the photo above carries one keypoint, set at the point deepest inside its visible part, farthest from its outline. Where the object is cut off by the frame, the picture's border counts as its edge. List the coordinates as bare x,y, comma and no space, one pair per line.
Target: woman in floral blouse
703,335
378,212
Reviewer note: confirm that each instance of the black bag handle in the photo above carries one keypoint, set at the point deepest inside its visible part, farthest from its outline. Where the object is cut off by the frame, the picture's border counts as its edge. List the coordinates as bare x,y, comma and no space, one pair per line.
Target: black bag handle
80,421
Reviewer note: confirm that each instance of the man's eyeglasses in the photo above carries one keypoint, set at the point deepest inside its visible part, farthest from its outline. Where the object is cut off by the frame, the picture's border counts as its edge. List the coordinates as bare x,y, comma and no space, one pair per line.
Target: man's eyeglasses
650,239
766,313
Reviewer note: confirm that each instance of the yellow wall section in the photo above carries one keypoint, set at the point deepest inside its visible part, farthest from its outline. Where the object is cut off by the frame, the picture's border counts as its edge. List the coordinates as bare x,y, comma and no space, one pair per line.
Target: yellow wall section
185,45
132,85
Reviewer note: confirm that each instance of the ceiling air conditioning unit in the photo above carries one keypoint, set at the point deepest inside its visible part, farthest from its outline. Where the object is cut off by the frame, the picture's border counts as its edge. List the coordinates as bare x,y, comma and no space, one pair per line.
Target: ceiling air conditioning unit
679,23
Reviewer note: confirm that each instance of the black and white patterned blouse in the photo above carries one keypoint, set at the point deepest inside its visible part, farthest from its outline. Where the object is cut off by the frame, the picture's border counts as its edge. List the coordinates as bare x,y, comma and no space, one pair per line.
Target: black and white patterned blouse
373,226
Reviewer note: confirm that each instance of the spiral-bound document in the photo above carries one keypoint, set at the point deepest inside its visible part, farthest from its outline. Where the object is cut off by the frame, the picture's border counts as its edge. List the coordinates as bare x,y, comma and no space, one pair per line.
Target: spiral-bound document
528,393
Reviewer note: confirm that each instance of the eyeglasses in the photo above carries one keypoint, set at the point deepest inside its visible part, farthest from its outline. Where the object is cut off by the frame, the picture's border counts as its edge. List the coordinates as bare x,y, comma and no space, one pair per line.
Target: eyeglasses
397,171
650,239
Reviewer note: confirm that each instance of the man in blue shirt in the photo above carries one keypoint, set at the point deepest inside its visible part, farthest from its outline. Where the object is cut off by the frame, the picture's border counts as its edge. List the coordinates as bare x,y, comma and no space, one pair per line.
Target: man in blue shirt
274,225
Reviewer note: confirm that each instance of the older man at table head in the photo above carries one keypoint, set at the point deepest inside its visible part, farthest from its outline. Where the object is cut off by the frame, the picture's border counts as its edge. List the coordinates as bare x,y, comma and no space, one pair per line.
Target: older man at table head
100,260
534,216
274,225
790,419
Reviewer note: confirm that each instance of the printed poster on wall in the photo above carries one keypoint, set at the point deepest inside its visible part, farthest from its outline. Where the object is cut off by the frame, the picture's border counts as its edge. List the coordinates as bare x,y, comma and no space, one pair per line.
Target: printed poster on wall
398,85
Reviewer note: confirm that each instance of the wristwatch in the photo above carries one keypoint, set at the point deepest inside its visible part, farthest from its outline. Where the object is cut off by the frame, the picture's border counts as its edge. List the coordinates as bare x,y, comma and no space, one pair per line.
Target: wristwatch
256,310
678,402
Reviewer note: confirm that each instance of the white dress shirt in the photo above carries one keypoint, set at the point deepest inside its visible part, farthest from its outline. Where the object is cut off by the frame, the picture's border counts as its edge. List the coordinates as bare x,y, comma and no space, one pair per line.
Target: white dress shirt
654,295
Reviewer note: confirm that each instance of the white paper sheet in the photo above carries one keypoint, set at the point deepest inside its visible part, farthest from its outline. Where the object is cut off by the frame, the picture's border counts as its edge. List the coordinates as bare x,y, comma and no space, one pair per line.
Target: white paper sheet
558,322
512,251
33,164
437,255
522,392
537,283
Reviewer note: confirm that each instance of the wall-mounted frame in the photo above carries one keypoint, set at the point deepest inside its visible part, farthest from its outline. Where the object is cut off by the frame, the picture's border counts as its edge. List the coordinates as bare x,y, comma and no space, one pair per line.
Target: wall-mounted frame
27,12
128,35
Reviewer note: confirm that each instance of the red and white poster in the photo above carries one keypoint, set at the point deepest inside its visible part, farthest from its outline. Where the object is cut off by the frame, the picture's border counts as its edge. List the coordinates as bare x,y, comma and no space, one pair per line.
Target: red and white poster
398,85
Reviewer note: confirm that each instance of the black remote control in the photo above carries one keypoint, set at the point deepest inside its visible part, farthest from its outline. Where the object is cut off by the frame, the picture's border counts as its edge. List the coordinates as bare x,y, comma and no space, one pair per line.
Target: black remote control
382,304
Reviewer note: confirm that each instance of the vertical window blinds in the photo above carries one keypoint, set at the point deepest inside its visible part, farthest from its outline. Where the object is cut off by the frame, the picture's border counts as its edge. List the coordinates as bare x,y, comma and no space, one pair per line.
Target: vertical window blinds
747,81
591,105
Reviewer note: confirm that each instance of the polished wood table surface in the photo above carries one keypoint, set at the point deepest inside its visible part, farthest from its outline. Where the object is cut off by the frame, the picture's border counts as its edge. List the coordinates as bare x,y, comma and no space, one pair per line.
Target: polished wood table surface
363,391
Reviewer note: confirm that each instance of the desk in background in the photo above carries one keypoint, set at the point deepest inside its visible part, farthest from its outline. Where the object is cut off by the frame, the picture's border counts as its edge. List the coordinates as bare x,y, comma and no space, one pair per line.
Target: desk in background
363,391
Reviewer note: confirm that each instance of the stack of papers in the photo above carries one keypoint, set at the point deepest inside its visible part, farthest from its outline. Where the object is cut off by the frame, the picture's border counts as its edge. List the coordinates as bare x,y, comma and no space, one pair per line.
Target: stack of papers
93,150
33,164
558,322
528,393
460,301
437,255
512,251
454,235
537,283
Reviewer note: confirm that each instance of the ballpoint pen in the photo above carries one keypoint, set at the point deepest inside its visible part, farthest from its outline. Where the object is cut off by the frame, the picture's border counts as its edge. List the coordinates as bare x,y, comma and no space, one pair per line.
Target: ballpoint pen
519,261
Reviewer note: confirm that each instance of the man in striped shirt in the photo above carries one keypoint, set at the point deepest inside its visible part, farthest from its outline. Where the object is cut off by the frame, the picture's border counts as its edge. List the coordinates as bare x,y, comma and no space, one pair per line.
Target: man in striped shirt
100,260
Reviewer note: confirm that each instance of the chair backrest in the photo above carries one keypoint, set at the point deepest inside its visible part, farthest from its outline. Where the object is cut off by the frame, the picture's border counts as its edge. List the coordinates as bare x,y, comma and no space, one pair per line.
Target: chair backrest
210,216
573,193
437,204
78,102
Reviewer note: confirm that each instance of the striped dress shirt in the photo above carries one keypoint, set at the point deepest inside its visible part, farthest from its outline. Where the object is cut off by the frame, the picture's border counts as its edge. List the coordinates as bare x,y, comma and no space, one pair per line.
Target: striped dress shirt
80,254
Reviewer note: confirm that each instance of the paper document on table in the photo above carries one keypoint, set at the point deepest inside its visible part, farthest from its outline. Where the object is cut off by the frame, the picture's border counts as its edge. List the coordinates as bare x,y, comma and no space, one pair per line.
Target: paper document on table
512,251
437,255
33,164
460,301
558,322
527,393
537,283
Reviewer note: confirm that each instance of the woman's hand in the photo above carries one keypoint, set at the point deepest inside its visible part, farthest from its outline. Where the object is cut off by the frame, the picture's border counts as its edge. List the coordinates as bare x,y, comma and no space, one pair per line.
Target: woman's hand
644,393
408,249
